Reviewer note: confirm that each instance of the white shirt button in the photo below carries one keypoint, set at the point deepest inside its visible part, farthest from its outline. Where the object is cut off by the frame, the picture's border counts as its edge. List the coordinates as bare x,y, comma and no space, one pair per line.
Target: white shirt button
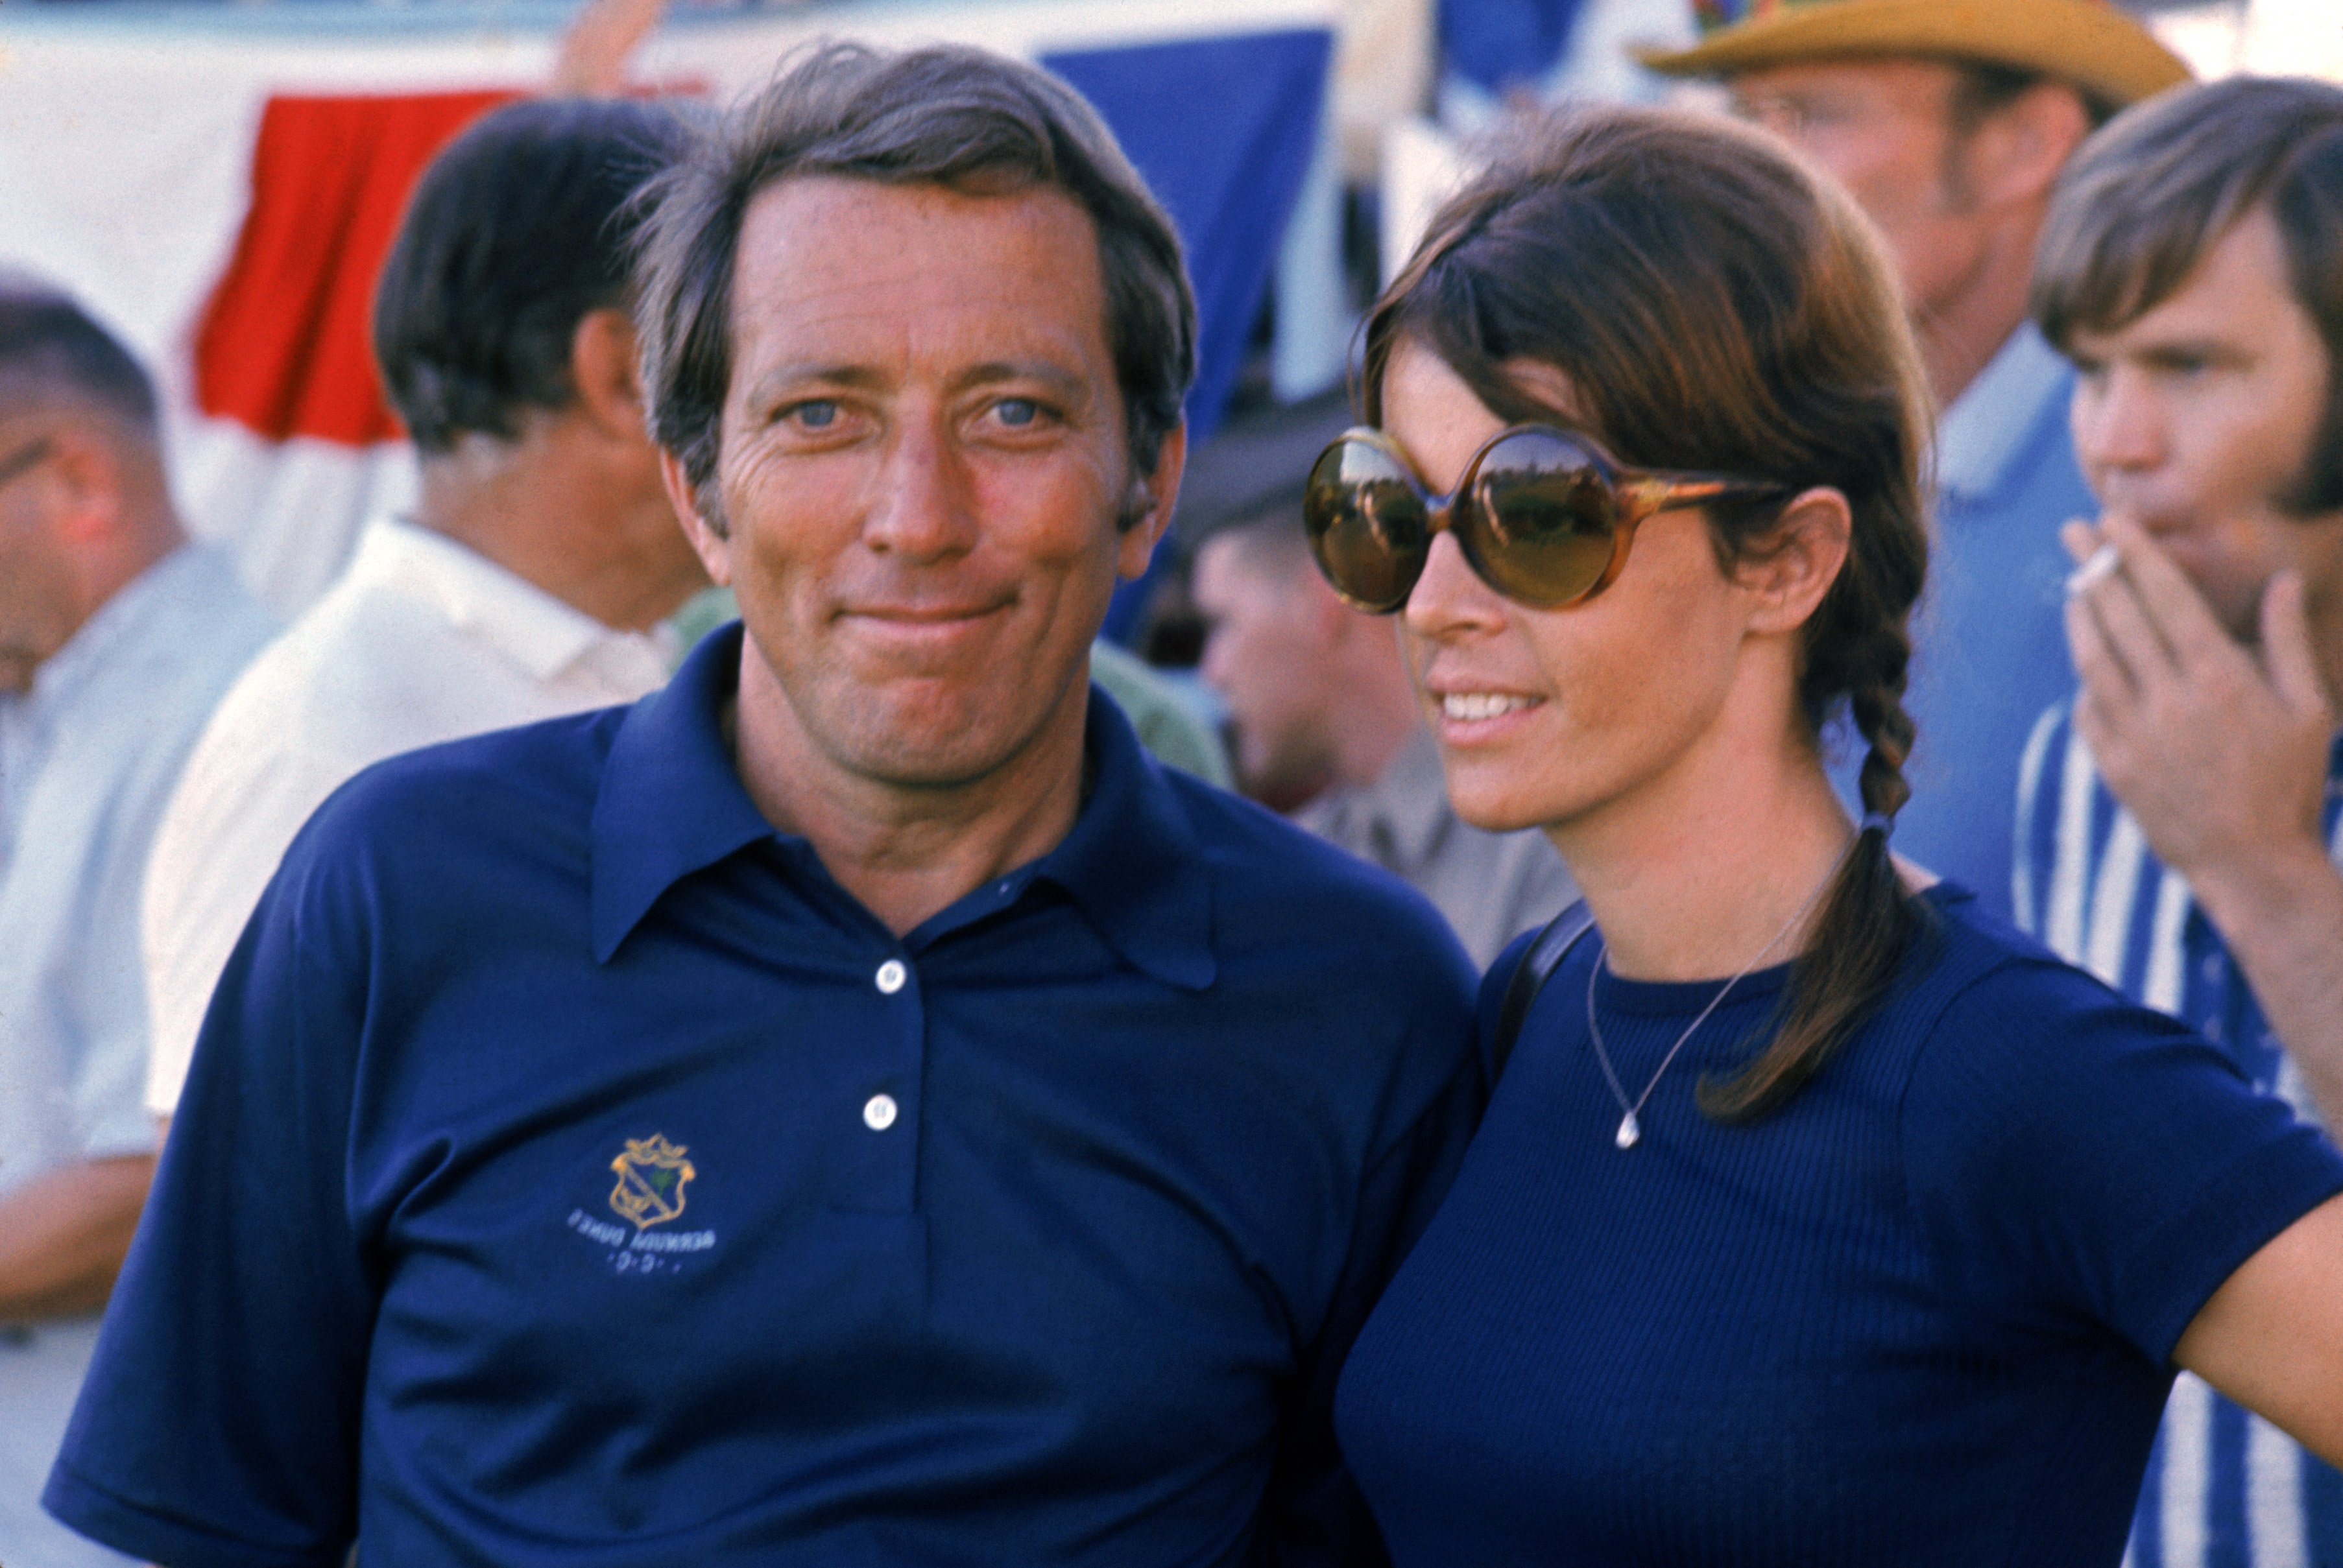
891,976
879,1112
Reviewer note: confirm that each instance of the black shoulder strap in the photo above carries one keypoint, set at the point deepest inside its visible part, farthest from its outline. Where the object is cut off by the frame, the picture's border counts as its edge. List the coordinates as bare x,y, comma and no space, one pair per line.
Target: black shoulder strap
1545,956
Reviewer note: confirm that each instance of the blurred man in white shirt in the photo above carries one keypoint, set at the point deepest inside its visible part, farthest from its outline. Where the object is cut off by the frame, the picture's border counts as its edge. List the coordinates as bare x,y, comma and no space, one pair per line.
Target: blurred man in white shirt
539,561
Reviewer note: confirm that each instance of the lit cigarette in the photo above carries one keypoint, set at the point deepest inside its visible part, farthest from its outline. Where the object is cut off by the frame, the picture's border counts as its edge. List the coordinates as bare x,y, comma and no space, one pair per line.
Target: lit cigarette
2103,563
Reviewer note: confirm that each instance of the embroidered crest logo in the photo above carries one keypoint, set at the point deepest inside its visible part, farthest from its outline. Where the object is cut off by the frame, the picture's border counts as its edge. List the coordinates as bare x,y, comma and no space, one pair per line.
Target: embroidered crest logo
651,1176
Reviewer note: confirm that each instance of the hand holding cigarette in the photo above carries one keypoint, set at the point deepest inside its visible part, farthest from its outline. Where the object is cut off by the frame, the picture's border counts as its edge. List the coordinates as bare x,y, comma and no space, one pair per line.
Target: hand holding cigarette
2218,750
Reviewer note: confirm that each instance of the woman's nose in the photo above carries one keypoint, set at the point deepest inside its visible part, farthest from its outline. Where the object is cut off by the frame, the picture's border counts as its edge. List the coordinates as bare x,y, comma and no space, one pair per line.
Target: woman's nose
1450,598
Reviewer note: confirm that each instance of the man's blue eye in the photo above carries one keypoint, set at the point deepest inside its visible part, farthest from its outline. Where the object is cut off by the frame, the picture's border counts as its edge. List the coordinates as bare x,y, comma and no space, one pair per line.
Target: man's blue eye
816,415
1017,411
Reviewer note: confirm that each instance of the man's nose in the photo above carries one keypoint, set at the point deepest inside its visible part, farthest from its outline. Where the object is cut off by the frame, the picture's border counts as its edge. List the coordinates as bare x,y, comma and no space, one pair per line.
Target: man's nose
926,507
2119,423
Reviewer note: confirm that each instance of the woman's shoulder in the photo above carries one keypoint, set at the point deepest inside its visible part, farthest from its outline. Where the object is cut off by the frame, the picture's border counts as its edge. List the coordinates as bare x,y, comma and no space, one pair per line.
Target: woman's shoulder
2012,1038
2062,1144
1968,966
1989,1028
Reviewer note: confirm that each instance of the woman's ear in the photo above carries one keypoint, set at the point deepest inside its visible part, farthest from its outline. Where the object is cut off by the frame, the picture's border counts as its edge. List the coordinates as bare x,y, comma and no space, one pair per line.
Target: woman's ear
1788,571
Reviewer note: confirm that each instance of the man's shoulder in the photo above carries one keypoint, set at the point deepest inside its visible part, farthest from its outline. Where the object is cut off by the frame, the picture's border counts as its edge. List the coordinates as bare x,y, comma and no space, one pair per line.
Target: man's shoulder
472,801
1279,886
2046,767
360,674
125,736
2067,820
232,624
1357,993
194,630
553,763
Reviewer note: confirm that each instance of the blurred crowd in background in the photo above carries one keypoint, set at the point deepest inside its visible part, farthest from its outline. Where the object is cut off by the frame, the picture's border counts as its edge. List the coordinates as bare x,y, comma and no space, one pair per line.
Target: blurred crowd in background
196,464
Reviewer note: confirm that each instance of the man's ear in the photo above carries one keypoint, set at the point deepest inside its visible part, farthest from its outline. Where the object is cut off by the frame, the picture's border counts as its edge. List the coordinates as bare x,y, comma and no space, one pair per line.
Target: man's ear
604,372
1789,571
1148,509
2015,154
86,472
708,540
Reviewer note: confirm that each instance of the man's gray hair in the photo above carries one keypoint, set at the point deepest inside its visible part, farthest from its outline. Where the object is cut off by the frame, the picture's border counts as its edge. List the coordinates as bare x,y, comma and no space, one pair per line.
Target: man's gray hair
952,116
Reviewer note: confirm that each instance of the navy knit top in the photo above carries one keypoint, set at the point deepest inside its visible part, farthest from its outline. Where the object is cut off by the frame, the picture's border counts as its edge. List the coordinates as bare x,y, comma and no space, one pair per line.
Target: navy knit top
1922,1314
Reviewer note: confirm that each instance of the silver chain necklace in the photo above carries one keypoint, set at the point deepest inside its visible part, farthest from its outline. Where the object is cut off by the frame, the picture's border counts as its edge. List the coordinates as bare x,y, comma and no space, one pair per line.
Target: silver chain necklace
1630,1129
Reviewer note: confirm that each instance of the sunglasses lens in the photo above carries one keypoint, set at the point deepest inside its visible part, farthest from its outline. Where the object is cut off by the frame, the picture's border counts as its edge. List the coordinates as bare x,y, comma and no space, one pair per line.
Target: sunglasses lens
1367,523
1544,518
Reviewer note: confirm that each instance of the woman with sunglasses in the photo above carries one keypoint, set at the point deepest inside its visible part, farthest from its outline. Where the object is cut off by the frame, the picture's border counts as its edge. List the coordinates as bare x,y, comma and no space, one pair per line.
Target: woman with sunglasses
1816,1219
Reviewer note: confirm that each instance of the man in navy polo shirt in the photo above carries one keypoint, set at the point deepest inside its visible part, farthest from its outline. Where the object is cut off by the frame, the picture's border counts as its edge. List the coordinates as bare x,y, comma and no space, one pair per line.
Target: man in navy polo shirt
851,1106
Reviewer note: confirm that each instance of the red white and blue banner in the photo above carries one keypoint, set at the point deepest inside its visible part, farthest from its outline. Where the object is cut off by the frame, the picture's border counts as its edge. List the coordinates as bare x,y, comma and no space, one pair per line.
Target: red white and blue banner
220,184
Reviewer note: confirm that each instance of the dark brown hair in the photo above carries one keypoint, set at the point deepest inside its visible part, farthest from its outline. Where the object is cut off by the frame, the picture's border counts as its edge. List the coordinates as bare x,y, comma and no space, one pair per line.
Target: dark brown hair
513,235
2144,200
1716,307
952,116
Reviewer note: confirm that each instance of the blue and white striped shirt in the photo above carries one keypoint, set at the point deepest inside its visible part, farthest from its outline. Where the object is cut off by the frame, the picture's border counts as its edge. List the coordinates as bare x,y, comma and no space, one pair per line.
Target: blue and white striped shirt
2225,1489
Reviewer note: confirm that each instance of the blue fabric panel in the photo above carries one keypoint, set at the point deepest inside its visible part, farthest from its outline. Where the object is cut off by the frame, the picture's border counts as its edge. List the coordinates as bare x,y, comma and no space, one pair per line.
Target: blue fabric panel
1223,130
1497,44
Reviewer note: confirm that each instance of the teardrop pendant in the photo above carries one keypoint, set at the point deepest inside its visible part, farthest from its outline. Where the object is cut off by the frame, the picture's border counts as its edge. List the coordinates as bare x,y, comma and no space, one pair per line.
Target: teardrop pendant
1629,1131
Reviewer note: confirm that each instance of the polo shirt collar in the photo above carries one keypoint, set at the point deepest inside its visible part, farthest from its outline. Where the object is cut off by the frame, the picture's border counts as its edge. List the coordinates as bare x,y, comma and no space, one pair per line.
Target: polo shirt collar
671,803
1982,434
1133,864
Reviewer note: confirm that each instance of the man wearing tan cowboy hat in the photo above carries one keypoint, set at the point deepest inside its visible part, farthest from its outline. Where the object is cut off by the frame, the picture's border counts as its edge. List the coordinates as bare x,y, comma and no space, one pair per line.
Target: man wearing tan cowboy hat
1949,121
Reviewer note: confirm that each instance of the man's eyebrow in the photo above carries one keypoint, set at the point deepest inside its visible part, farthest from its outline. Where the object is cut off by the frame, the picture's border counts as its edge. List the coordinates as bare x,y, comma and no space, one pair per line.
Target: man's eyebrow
812,373
1064,385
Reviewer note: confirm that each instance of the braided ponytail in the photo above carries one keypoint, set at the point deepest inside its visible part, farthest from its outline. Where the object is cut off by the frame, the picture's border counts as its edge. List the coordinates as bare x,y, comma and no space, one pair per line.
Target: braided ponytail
1869,922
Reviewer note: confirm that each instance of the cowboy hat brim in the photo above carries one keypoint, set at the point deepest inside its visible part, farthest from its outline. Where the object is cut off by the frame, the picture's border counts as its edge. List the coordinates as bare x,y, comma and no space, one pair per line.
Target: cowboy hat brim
2087,43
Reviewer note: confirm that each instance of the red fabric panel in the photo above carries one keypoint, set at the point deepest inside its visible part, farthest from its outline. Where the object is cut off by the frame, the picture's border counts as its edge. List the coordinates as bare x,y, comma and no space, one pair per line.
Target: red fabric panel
285,344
